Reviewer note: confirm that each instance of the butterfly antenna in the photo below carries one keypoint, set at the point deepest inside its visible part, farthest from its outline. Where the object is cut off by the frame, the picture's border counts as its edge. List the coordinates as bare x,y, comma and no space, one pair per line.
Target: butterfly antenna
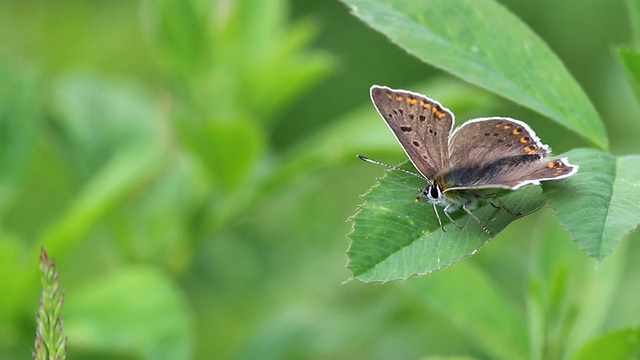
364,158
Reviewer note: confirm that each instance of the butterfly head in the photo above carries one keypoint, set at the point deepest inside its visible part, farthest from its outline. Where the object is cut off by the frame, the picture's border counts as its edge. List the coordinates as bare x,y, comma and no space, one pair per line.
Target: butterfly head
432,193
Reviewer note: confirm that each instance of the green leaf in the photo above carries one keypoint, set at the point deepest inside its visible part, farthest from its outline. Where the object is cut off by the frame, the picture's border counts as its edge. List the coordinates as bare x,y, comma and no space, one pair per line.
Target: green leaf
135,311
634,19
19,113
394,237
124,173
631,60
484,44
598,205
617,345
490,322
210,142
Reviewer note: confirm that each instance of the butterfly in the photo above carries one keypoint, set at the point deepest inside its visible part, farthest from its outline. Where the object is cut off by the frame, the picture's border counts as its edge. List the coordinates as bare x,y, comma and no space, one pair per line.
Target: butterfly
467,164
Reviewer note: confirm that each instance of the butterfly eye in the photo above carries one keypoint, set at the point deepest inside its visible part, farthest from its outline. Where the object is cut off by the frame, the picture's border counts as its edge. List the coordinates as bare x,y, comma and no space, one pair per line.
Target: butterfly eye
433,191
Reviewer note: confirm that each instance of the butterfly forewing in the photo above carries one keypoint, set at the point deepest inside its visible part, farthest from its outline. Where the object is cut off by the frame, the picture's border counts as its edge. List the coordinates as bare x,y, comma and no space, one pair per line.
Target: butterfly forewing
420,124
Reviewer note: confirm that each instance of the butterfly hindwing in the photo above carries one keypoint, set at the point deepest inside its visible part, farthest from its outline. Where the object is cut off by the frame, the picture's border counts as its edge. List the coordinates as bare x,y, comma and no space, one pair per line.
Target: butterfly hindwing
481,141
506,173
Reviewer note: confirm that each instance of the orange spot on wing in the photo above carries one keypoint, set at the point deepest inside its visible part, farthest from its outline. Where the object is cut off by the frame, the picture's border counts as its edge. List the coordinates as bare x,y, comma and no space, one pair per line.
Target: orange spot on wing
412,101
399,98
506,127
425,104
438,113
530,150
524,139
515,131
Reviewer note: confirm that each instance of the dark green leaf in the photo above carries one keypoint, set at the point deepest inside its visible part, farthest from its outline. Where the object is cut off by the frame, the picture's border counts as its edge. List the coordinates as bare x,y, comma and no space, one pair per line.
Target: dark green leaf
484,44
394,237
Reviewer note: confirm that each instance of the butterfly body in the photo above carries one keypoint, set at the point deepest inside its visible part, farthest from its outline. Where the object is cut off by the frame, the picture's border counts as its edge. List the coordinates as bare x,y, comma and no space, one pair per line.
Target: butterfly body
473,161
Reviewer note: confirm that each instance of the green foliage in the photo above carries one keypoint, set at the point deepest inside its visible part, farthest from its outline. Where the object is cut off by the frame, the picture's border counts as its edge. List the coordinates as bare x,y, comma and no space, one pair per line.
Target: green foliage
598,204
486,45
605,183
394,237
116,313
618,345
190,165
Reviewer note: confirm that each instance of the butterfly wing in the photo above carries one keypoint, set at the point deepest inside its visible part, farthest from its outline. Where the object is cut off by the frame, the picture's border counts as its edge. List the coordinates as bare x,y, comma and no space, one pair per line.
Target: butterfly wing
480,141
506,173
420,124
499,153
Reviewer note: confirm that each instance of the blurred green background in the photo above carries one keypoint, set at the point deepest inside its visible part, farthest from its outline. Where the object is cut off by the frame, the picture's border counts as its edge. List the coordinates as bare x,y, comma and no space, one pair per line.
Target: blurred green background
191,164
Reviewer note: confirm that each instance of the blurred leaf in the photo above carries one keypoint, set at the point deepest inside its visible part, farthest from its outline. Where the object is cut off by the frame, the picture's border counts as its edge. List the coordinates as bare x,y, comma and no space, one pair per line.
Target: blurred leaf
180,31
483,43
20,106
290,69
162,211
631,60
630,57
14,273
98,116
634,17
228,150
490,321
595,297
135,311
623,344
106,189
598,205
235,60
394,237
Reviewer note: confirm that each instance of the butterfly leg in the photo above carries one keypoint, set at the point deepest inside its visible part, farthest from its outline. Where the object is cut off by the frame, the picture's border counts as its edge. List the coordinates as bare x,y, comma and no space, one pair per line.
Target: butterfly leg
502,204
435,209
466,208
446,212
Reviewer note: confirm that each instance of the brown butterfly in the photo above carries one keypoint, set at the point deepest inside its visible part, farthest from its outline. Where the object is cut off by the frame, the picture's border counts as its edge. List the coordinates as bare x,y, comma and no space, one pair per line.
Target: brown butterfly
463,166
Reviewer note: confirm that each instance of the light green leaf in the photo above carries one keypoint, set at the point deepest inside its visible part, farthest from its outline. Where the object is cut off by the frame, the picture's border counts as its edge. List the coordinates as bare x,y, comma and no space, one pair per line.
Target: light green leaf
394,237
106,189
631,60
598,205
484,44
621,344
210,143
135,311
